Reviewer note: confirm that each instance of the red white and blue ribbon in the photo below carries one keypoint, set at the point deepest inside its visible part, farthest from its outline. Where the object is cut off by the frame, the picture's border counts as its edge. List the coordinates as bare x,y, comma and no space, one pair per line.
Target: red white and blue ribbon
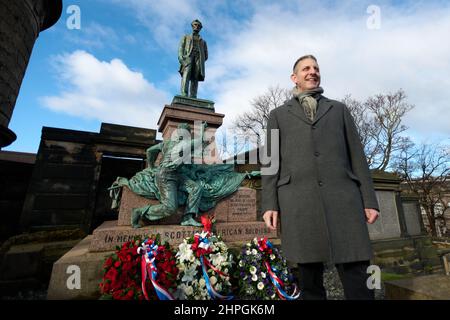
266,246
279,285
211,291
203,243
148,267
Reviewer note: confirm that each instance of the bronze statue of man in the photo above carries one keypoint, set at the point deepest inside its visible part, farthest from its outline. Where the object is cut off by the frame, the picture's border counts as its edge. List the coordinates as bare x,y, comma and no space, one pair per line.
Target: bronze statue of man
192,54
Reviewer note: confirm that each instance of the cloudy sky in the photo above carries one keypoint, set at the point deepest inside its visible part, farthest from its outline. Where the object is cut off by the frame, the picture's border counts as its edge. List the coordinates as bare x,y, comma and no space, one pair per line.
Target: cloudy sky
121,65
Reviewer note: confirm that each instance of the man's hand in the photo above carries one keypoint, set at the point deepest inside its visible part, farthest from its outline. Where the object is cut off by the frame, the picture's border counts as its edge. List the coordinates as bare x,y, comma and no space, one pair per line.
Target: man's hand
271,219
371,215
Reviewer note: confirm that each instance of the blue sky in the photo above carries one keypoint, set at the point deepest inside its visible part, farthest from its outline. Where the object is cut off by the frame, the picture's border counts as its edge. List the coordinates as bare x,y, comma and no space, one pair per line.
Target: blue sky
121,66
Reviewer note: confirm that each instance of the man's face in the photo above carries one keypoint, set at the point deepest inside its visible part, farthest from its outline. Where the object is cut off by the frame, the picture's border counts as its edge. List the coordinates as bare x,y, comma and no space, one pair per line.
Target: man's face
196,27
306,75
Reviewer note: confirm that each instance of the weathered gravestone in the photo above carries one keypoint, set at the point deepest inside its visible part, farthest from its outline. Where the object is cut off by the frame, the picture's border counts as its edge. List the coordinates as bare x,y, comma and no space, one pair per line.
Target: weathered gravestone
388,224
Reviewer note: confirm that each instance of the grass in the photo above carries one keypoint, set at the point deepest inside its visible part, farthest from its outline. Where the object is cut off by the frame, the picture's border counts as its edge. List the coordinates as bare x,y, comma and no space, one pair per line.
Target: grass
387,276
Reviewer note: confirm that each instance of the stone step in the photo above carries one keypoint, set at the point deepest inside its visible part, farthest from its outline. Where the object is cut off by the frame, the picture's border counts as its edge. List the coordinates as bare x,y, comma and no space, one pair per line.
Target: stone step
109,234
238,207
89,267
429,287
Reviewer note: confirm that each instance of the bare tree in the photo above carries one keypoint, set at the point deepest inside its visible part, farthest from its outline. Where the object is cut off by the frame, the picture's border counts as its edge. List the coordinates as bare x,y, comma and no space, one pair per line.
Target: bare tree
252,123
426,170
379,121
389,110
366,126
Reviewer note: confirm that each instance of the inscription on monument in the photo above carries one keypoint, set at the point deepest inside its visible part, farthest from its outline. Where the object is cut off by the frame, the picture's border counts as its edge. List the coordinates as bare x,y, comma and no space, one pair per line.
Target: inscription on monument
242,205
244,231
109,235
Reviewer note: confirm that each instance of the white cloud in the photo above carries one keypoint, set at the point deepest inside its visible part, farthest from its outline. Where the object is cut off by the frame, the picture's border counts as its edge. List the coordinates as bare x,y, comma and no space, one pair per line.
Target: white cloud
106,91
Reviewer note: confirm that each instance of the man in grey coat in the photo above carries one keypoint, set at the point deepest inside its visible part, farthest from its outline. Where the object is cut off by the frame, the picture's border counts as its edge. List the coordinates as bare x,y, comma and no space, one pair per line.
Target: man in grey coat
322,190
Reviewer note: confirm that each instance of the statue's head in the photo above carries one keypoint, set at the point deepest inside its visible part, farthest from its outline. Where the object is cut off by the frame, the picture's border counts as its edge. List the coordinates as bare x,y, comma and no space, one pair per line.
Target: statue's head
196,25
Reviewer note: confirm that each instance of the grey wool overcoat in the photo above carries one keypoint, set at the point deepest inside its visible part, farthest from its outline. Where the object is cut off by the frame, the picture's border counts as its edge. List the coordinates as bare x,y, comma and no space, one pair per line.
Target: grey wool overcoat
322,185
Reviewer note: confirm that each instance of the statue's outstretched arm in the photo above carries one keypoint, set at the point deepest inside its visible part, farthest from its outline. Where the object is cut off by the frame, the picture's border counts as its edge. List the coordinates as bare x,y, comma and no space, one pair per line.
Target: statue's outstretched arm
152,154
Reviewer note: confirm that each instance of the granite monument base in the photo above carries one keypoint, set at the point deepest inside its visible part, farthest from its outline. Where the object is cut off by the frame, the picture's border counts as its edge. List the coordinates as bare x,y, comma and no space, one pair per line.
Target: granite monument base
90,268
109,234
236,223
238,207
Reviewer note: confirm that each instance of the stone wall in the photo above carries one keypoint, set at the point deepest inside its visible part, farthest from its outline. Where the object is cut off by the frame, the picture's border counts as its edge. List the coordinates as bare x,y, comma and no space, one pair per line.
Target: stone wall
15,174
66,180
26,260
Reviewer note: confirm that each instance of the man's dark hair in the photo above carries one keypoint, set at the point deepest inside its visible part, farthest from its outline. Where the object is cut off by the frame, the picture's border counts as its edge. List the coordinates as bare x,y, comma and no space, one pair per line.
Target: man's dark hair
308,56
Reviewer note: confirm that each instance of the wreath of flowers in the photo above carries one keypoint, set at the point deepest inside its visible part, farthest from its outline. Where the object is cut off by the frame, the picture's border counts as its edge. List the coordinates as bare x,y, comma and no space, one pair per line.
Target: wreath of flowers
204,262
122,279
263,273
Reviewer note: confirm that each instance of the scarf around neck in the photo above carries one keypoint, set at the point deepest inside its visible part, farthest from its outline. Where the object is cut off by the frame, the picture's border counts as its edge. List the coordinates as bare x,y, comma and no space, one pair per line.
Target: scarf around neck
308,100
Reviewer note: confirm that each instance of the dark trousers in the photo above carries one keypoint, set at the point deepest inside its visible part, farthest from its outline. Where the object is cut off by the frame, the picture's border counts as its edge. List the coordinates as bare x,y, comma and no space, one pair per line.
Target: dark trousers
353,277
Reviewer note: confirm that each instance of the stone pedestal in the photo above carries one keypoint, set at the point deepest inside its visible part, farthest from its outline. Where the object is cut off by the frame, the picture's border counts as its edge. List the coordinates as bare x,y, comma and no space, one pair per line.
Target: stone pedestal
90,268
236,220
176,113
240,206
130,201
109,234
